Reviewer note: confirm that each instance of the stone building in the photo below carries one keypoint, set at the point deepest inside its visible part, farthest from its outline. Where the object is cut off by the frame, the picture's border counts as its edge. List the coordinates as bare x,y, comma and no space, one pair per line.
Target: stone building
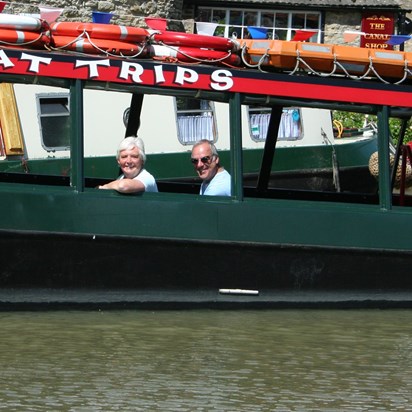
329,19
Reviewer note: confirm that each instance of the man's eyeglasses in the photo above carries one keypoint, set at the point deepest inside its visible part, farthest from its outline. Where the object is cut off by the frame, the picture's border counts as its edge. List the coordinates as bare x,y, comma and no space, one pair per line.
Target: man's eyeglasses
204,159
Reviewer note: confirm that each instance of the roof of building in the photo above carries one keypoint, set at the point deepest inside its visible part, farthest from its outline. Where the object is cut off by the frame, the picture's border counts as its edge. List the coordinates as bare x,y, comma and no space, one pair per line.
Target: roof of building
320,4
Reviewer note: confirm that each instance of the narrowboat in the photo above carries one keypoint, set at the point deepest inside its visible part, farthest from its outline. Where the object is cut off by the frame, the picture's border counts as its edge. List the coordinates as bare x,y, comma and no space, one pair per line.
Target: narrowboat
302,218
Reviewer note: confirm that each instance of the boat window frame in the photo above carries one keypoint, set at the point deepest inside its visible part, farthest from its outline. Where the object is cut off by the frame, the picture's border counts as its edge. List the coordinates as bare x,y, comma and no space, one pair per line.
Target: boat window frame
41,115
201,113
266,110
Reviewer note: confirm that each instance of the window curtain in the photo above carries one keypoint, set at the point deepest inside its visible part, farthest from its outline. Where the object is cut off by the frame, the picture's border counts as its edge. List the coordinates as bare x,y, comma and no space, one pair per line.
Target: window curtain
194,128
289,129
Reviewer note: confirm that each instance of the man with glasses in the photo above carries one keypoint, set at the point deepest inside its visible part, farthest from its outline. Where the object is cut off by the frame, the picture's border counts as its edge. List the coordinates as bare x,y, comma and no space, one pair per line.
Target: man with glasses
216,181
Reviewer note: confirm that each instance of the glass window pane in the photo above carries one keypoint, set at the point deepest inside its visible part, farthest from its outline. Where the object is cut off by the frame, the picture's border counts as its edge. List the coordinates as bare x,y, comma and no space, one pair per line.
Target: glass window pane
236,20
281,35
185,104
298,20
281,21
312,21
251,19
205,15
235,17
267,20
55,132
54,121
219,16
54,106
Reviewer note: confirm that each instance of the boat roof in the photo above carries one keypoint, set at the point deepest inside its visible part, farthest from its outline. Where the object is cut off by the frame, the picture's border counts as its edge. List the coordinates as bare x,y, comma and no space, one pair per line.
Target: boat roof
201,81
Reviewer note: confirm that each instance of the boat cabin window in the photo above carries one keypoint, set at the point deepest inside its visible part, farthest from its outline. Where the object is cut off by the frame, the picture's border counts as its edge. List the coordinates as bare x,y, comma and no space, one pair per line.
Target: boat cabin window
195,120
290,124
54,120
279,25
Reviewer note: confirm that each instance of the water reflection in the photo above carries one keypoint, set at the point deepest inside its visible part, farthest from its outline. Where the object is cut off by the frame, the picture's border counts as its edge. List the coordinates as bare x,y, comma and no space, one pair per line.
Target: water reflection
206,361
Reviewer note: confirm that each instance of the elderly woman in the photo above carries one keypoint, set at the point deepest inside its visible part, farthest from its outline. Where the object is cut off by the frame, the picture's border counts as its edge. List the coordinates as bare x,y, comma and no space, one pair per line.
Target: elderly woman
131,158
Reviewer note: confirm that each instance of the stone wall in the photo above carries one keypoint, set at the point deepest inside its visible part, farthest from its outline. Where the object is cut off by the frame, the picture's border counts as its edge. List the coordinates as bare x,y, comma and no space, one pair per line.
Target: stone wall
336,23
125,12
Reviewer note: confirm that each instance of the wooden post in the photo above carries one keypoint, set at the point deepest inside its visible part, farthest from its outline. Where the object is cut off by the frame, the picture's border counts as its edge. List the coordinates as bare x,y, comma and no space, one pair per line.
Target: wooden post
11,132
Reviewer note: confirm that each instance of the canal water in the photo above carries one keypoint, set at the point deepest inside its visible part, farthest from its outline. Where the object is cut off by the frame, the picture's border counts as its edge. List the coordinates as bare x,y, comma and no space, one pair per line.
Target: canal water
284,360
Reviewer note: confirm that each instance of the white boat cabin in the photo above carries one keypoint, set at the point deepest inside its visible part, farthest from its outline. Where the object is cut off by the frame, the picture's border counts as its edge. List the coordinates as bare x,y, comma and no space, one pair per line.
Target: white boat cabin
168,124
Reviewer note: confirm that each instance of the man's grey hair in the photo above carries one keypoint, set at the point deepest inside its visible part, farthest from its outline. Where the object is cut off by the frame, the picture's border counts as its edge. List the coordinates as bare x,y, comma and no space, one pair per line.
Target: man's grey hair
211,145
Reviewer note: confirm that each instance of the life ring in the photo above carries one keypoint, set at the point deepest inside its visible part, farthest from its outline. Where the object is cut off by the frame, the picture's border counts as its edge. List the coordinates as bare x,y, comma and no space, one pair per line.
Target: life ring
23,38
26,23
100,31
193,55
98,46
374,169
174,38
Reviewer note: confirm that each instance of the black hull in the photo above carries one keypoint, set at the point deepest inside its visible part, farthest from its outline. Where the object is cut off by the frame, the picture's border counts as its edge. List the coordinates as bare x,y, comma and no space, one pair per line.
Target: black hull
86,263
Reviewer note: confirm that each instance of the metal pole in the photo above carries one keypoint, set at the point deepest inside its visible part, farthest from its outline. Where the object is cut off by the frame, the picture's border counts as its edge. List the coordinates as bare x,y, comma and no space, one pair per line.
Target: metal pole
385,191
76,136
134,115
270,146
236,158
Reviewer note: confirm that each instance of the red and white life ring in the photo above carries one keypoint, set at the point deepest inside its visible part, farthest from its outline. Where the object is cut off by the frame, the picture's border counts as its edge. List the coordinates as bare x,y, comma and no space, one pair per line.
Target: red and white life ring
100,31
194,55
98,46
23,38
174,38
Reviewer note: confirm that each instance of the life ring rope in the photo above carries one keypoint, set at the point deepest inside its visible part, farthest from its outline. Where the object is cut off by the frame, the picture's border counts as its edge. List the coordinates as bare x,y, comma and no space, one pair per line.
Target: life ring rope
258,65
93,43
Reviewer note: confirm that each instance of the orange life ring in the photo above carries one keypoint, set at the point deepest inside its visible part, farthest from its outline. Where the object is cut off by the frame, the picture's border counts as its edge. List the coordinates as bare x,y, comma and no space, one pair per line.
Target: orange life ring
194,55
23,38
100,31
98,46
174,38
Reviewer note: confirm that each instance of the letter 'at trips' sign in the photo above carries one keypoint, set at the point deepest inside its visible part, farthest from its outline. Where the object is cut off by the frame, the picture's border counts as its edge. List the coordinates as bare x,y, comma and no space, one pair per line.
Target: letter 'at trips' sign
378,28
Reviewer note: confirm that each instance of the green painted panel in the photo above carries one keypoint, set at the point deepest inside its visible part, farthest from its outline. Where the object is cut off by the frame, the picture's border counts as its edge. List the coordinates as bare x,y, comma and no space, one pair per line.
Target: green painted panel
271,221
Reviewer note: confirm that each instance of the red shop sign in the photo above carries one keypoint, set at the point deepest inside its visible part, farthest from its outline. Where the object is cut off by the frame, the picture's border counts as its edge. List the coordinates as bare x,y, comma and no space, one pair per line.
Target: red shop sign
378,28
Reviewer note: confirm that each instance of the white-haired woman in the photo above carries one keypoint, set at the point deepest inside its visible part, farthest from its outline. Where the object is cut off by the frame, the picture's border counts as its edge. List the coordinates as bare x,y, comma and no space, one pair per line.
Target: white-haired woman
131,158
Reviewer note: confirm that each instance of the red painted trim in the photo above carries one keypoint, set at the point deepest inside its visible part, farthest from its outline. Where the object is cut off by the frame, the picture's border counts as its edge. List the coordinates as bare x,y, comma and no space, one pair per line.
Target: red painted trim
149,72
325,92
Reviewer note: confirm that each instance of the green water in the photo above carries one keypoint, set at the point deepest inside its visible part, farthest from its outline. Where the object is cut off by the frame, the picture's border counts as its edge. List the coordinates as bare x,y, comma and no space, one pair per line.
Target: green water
206,361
